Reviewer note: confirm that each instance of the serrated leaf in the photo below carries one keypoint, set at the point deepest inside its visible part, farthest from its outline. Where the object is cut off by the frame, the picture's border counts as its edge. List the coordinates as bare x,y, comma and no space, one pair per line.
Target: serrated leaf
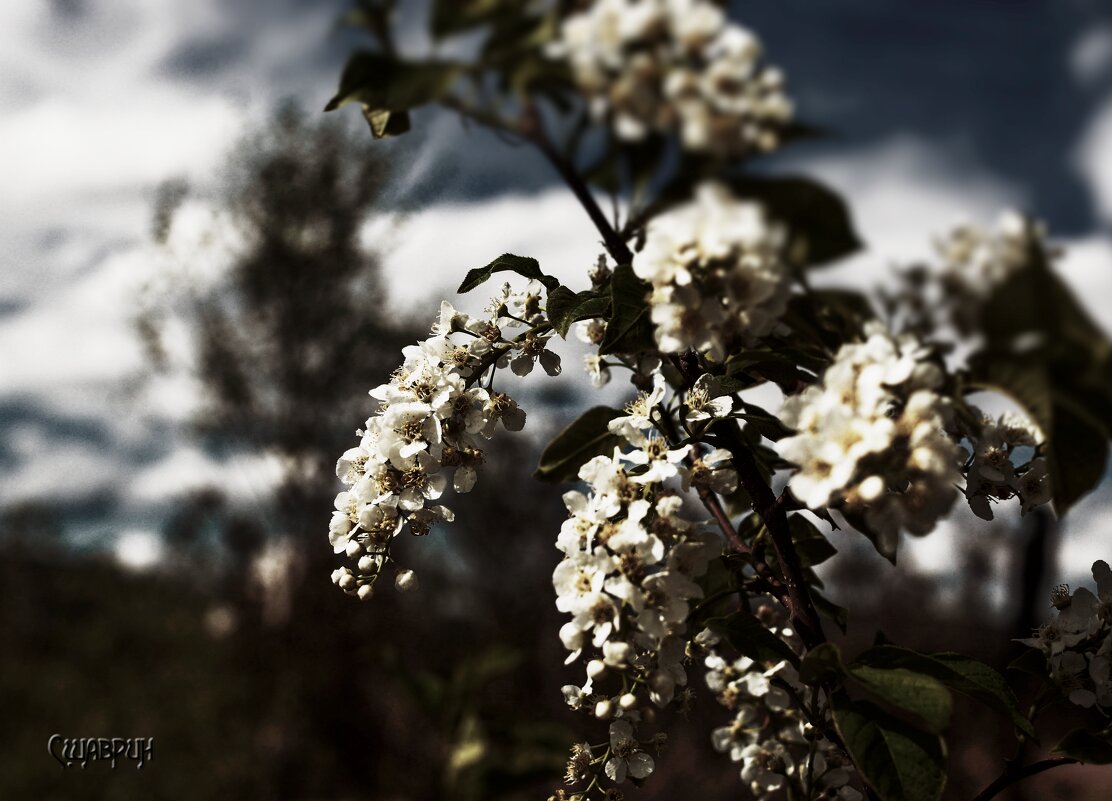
584,439
507,262
924,697
962,674
899,762
565,307
1085,746
629,329
750,638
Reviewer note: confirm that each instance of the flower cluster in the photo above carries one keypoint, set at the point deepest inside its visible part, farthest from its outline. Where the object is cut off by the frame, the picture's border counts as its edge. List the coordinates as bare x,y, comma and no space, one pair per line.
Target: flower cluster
1078,642
627,577
429,431
675,65
716,272
997,470
780,751
977,261
872,437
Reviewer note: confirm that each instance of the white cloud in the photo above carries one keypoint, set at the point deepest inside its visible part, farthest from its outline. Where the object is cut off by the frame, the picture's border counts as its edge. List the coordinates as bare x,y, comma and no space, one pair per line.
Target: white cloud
1093,159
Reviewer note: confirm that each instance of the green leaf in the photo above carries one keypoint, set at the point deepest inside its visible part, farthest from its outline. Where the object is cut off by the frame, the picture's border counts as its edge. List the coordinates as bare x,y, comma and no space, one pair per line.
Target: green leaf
450,17
1085,746
962,674
629,329
1044,350
838,614
507,262
885,544
1077,443
584,439
822,663
926,698
565,307
767,424
750,638
820,229
899,762
810,543
384,83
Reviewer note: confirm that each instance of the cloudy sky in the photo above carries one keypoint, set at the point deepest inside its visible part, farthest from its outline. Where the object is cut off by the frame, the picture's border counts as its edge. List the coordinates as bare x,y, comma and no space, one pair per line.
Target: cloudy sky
941,113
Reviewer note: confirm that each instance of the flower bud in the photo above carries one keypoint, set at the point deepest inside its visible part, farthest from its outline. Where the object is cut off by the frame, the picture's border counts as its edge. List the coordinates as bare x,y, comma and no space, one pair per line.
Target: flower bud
353,548
365,592
627,701
347,582
405,581
604,709
595,668
367,564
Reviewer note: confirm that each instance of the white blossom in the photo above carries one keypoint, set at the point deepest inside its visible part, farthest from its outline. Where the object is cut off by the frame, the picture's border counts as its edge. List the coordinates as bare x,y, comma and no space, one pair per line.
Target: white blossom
717,274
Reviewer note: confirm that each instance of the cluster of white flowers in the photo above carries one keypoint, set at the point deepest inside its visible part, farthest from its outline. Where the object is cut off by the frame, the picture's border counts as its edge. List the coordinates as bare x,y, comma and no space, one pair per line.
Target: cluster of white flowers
430,427
628,574
1078,642
996,467
675,65
873,437
780,751
977,261
716,271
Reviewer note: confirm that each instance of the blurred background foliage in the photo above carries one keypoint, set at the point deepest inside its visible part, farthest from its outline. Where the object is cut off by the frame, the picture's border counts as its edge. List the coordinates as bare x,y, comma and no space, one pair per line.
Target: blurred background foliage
257,679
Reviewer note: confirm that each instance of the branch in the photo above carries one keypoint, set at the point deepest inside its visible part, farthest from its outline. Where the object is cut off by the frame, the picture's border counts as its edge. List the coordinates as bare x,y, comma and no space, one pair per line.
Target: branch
533,130
1011,776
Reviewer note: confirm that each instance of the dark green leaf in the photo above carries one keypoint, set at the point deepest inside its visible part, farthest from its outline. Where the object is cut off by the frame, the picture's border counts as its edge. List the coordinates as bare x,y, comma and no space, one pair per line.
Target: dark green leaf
1087,747
899,762
924,697
1044,350
565,307
960,673
629,329
820,229
810,543
507,262
766,423
584,439
822,663
831,610
750,638
450,17
384,83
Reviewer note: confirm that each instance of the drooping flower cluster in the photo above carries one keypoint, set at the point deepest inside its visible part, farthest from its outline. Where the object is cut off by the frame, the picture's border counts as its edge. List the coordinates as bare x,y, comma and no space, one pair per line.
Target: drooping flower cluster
1078,642
675,65
429,431
782,755
628,573
873,437
998,468
716,271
